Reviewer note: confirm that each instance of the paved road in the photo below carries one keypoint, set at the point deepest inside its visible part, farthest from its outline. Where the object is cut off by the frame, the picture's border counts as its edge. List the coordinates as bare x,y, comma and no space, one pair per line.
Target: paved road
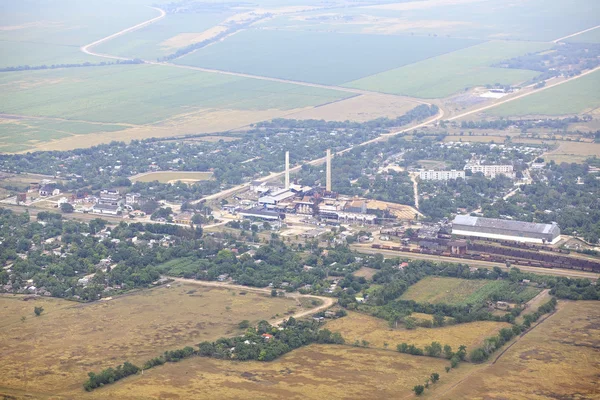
575,34
366,249
327,301
87,48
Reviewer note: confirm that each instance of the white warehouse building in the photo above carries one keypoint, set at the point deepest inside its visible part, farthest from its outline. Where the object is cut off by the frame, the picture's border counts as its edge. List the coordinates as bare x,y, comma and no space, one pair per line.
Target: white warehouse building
518,231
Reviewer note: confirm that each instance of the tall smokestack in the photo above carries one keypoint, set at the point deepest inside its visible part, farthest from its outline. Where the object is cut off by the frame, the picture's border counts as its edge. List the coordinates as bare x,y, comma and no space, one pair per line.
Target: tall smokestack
328,185
287,169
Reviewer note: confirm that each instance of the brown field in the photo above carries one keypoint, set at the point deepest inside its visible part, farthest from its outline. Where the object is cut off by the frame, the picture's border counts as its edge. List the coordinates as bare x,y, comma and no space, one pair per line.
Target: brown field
172,176
359,108
185,39
357,326
366,272
573,152
401,211
313,372
559,359
54,352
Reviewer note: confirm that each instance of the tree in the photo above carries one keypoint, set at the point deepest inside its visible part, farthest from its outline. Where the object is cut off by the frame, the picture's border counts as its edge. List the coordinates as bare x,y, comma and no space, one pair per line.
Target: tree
448,351
434,349
245,324
273,293
439,319
38,311
419,389
67,208
435,377
410,323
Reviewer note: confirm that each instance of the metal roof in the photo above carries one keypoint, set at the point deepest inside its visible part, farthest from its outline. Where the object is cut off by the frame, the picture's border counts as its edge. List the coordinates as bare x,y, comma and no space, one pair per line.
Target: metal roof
503,224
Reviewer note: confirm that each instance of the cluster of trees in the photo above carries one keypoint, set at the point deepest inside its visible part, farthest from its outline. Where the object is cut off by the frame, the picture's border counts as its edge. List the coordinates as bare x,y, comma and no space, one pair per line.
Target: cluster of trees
524,124
556,196
565,59
80,65
110,375
433,378
435,349
262,343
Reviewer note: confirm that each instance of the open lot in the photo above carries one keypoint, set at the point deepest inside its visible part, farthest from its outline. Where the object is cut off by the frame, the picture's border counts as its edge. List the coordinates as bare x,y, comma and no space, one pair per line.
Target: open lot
357,326
556,360
172,177
313,372
578,96
54,352
365,272
447,74
326,58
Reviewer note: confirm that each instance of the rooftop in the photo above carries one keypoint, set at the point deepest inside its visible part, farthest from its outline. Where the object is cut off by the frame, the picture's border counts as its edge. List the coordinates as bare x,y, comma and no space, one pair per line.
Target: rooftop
520,226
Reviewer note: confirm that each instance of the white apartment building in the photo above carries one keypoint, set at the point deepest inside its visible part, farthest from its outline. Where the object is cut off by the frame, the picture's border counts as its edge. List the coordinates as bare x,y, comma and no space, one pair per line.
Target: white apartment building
491,171
432,175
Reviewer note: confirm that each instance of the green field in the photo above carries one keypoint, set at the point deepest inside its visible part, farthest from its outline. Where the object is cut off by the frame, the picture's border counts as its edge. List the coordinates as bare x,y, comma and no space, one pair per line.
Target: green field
454,291
36,32
326,58
146,43
142,94
17,135
445,75
575,97
587,37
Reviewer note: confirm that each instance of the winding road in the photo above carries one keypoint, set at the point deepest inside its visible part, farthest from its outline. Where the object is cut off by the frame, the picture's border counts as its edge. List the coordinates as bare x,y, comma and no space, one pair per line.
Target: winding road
327,301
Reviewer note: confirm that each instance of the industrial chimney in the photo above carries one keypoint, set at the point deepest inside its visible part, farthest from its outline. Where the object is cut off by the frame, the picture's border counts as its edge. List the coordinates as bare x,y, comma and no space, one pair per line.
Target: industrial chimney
328,185
287,169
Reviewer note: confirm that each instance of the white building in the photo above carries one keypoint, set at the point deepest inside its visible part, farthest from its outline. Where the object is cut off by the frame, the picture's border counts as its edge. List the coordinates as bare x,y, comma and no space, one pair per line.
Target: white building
432,175
491,171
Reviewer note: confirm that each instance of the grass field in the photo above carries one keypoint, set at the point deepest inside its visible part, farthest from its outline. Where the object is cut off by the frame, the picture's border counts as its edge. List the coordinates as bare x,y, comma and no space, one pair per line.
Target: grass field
556,360
37,32
447,74
172,176
318,57
365,272
357,326
154,41
575,97
313,372
433,289
54,352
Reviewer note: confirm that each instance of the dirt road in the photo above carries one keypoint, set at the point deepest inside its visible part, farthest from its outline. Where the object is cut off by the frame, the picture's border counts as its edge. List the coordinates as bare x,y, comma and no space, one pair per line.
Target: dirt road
575,34
327,301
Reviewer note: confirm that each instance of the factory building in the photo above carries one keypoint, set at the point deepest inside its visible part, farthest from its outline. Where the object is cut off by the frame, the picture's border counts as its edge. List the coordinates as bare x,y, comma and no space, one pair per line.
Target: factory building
517,231
441,175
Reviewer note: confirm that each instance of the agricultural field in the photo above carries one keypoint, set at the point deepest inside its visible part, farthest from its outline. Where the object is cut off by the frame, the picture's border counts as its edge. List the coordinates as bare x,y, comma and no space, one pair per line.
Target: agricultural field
556,360
455,291
111,95
575,97
172,177
37,32
364,107
325,58
162,37
573,152
357,326
18,134
53,353
450,73
312,372
481,19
